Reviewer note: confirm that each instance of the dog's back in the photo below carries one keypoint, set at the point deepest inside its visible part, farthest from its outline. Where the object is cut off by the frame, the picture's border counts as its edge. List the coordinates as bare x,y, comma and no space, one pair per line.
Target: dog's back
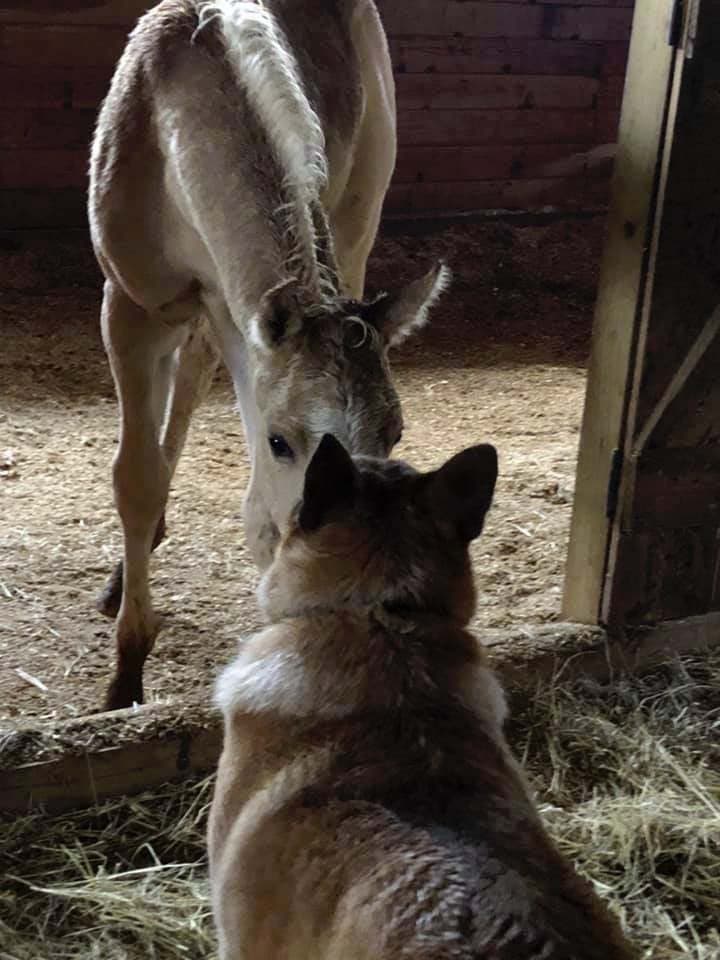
367,804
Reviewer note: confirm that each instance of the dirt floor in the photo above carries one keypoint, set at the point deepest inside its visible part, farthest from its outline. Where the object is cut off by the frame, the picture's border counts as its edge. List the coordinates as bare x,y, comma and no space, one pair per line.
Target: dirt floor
503,360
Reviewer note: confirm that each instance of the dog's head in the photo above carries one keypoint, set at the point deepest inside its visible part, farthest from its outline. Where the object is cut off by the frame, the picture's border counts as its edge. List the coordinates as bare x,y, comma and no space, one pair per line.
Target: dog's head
374,533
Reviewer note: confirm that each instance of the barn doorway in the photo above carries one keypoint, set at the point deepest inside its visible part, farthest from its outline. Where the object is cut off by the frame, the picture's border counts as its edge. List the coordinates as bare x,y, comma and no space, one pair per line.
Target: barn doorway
644,546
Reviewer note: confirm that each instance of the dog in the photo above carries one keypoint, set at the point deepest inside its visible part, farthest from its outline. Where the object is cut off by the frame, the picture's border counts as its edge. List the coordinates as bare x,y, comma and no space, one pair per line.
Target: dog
367,804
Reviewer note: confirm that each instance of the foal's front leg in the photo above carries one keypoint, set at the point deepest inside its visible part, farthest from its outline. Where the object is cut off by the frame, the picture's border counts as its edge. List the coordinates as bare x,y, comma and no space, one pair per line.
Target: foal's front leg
192,377
139,348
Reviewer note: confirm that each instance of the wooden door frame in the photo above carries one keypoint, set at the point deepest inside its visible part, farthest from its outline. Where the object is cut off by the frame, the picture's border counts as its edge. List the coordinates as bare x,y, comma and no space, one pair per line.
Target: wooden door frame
649,102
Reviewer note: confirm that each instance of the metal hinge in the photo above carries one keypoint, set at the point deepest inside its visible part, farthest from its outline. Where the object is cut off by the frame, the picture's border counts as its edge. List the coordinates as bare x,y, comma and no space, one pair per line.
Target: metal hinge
613,489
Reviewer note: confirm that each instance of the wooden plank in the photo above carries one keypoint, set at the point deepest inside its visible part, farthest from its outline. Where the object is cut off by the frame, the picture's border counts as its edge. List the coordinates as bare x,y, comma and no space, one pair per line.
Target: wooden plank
616,312
54,129
465,164
102,13
448,198
663,573
616,57
478,92
523,657
82,780
688,244
610,92
607,124
472,18
58,46
597,190
35,87
504,55
44,169
591,3
674,488
605,24
541,653
689,365
474,127
53,87
43,209
675,399
50,6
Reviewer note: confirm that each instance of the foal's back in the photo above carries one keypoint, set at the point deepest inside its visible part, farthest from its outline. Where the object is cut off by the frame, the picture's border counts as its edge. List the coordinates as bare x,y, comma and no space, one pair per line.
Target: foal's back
186,174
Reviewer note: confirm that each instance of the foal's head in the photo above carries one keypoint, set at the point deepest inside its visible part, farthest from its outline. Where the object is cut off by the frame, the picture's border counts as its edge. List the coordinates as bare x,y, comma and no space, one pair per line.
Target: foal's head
323,369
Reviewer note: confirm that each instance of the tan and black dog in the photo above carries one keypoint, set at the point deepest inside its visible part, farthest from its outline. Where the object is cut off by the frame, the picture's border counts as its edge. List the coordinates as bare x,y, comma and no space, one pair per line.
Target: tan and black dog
367,805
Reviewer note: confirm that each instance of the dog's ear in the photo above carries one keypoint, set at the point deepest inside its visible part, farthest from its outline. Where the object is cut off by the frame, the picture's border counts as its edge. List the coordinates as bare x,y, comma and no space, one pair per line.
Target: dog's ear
460,492
331,481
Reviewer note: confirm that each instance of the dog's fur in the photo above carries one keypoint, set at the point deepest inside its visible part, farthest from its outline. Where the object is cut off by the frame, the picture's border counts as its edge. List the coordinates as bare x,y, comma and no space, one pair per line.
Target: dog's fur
367,804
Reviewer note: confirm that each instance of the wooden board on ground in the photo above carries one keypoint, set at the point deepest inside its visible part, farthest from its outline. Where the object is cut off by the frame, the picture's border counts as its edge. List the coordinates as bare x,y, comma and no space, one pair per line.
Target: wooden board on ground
154,745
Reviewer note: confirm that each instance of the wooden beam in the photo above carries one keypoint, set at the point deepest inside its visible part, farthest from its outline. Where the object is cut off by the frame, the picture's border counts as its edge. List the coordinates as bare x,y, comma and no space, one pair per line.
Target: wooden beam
43,209
420,54
688,365
189,742
642,127
566,650
85,12
83,778
673,488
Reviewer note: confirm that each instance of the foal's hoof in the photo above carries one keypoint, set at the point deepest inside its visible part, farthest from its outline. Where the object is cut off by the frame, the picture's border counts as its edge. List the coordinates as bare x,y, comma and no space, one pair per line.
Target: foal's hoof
108,602
124,691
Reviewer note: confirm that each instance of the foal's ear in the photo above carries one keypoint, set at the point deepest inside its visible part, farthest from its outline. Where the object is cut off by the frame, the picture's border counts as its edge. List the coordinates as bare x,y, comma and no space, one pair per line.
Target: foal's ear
280,315
330,483
397,315
461,491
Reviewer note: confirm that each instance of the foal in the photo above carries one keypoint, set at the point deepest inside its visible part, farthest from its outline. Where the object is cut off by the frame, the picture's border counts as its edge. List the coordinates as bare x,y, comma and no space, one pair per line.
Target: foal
238,171
367,805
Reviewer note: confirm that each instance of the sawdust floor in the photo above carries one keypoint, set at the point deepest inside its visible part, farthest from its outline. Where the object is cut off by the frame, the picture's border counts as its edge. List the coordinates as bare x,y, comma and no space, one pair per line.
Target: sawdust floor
503,360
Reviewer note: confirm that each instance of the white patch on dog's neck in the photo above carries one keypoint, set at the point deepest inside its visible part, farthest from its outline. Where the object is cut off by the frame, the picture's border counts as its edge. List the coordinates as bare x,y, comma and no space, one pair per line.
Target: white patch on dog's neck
281,682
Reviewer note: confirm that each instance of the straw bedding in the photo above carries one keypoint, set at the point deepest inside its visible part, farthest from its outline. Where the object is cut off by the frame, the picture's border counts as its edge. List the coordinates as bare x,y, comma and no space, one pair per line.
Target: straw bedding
627,774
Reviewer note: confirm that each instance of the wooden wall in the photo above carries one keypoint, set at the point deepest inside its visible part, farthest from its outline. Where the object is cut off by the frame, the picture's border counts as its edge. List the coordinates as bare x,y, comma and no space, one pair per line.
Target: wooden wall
498,103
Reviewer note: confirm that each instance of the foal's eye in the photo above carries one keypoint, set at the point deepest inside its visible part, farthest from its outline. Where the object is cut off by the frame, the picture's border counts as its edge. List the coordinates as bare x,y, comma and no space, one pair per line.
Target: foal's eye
281,449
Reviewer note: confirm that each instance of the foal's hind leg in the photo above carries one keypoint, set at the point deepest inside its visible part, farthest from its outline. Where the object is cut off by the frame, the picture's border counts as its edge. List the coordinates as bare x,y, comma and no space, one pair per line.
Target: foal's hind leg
193,375
140,349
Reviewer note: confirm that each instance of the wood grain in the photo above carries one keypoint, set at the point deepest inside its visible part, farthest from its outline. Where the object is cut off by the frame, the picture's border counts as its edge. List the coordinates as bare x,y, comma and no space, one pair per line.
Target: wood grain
616,312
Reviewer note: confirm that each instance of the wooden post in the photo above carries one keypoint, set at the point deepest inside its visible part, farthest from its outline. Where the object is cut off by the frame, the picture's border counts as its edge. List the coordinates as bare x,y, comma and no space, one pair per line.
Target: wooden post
642,126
